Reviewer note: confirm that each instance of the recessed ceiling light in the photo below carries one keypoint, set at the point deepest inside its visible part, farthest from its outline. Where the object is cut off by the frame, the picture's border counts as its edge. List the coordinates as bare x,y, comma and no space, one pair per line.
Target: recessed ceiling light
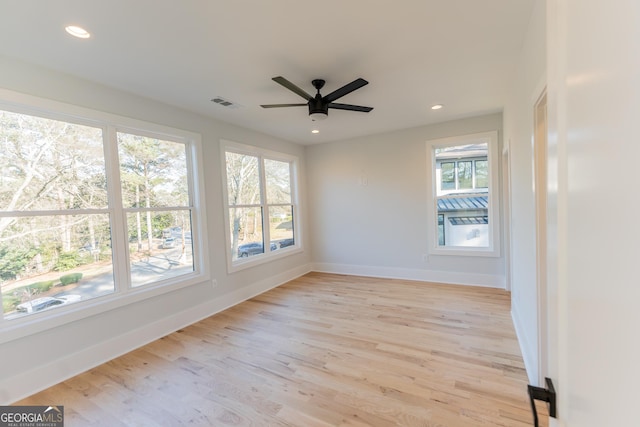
76,31
315,131
437,107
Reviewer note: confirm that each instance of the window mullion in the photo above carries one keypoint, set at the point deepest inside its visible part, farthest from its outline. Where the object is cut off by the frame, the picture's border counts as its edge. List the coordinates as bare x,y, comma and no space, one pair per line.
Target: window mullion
266,232
117,214
473,174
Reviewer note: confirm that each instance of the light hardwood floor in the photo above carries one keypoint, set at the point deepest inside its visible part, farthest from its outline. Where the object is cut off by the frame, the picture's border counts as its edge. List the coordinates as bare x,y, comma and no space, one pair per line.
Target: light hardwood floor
322,350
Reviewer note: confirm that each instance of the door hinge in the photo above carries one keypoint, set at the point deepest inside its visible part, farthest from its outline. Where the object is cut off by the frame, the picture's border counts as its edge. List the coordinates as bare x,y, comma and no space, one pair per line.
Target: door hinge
544,394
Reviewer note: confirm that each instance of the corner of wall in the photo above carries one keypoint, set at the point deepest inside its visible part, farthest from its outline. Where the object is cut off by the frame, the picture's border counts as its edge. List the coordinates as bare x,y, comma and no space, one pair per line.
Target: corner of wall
526,347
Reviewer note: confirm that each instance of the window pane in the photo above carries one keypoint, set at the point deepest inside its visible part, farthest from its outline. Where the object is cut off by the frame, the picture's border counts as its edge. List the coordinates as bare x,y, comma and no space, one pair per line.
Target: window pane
482,174
278,181
464,221
448,176
441,239
281,226
246,232
153,172
159,245
52,261
465,175
50,165
242,179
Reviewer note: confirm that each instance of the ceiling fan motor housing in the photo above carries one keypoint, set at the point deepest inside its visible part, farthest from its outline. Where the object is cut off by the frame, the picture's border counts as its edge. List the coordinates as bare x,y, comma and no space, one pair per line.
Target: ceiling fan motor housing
318,109
317,106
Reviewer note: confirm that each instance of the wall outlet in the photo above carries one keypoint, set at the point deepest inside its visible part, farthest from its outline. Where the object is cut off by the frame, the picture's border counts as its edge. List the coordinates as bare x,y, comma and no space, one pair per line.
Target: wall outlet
425,258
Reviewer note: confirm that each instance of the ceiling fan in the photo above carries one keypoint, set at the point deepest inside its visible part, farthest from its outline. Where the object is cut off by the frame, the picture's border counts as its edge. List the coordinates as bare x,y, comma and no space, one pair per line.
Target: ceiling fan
319,105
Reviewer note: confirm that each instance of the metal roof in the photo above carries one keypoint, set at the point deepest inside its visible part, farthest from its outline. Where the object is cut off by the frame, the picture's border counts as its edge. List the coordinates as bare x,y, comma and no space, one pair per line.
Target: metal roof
469,220
450,204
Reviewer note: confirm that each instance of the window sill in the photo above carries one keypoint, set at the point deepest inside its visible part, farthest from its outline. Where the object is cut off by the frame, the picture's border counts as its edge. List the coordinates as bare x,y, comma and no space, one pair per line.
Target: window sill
14,329
256,260
465,251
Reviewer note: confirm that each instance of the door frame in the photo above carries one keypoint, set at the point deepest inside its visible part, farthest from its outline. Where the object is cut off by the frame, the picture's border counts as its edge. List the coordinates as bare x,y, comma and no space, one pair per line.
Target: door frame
540,127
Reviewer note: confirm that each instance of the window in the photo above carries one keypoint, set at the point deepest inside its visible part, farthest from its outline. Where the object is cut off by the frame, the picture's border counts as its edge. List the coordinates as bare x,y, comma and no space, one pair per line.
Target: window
85,208
155,198
260,204
463,207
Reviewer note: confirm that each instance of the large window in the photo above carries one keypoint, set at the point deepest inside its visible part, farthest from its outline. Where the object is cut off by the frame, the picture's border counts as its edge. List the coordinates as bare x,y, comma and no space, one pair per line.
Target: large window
463,206
92,210
261,207
155,197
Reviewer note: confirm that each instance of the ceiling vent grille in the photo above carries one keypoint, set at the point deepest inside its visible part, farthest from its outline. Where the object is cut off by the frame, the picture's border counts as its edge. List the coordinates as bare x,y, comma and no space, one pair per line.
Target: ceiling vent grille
225,102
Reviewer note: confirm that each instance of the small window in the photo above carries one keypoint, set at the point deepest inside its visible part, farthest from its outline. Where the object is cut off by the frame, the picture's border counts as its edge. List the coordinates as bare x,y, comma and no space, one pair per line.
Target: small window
261,204
464,204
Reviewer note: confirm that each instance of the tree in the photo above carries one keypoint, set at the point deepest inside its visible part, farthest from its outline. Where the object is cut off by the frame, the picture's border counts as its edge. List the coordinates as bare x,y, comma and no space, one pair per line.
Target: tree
48,166
153,174
14,261
243,188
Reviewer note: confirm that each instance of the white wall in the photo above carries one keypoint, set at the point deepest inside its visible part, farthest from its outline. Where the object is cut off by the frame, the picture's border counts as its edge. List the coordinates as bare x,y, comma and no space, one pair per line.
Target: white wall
34,362
529,79
369,206
594,103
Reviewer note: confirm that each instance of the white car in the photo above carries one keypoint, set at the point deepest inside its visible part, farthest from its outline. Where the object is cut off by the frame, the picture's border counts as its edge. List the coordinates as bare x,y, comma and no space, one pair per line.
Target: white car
44,303
169,242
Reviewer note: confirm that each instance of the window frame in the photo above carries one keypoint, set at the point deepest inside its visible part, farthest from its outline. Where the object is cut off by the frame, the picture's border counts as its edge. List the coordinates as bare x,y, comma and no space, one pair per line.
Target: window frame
191,206
123,293
493,192
456,175
268,255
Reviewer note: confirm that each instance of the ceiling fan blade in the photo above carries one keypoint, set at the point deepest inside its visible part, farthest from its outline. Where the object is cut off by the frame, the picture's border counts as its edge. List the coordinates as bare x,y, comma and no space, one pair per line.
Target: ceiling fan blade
348,88
293,88
283,105
350,107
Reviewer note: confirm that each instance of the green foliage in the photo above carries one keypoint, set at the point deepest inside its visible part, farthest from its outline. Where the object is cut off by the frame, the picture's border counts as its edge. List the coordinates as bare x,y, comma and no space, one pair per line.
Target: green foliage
161,221
13,261
68,279
40,287
9,302
68,261
11,299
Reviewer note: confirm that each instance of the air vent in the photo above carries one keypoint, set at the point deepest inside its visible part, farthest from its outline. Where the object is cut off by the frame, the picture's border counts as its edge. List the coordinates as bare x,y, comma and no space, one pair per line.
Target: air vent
225,102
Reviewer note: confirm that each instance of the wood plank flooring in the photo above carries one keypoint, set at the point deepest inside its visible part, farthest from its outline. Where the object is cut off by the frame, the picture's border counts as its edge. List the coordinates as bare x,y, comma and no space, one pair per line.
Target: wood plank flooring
322,350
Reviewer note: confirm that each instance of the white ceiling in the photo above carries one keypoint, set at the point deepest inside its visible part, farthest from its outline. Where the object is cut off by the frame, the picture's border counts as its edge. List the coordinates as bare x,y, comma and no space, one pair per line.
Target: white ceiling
414,53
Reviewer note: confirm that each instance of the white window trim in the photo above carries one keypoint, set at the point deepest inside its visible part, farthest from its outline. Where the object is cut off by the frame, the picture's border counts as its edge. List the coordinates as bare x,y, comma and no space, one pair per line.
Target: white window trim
493,250
122,295
268,255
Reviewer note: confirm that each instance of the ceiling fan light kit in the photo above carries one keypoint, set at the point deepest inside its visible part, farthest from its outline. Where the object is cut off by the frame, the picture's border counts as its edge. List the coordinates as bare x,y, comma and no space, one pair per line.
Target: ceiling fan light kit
319,105
318,116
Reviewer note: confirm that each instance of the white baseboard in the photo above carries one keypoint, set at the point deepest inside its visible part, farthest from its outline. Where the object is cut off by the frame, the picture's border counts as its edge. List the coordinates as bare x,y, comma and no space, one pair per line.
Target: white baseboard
451,277
44,376
529,352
